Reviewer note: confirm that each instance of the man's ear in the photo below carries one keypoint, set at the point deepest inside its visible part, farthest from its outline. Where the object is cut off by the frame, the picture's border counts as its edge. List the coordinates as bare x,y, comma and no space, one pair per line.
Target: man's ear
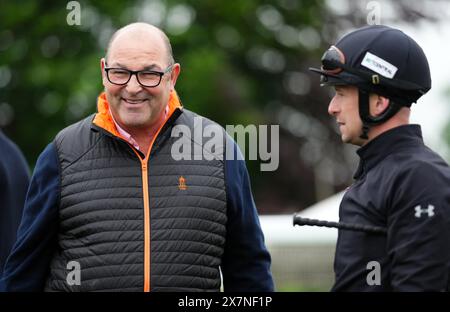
176,68
102,68
378,104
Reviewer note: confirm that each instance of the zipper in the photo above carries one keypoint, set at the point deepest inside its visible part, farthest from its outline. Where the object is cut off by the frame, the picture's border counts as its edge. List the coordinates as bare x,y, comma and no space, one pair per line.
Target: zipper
146,197
145,189
145,193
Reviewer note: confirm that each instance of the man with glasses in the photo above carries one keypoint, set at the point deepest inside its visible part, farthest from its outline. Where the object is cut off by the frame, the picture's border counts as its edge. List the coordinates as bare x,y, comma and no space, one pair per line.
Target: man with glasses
400,184
110,209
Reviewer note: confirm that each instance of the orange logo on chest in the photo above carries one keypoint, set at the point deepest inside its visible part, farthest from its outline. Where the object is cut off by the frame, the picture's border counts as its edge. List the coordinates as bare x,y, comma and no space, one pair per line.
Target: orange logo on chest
182,183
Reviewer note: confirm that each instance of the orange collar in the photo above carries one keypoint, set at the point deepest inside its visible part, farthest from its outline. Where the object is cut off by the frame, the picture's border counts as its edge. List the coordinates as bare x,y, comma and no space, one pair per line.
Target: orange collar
103,118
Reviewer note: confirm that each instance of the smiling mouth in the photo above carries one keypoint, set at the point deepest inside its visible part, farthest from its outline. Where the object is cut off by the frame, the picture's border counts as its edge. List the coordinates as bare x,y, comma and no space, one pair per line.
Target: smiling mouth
134,101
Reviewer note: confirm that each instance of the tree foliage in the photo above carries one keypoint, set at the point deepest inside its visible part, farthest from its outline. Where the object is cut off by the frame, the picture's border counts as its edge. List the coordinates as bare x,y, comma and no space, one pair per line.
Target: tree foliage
243,62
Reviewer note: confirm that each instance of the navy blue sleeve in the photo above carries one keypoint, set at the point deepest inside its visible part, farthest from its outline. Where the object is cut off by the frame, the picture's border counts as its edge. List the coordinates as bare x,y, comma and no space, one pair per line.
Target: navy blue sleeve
28,264
246,261
419,230
14,181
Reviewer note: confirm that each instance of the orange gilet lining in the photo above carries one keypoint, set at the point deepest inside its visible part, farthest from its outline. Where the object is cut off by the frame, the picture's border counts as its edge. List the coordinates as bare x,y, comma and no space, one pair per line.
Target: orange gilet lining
104,120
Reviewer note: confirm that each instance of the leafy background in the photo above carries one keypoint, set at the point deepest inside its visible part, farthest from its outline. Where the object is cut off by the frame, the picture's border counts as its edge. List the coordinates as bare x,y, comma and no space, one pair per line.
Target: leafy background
243,62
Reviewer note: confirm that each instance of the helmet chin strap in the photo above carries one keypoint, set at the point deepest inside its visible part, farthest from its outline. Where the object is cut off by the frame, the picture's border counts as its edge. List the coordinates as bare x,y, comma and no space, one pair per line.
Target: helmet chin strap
369,120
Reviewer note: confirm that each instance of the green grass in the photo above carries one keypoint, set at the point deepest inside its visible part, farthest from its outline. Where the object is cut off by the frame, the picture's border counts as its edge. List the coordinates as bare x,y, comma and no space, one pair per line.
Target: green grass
297,287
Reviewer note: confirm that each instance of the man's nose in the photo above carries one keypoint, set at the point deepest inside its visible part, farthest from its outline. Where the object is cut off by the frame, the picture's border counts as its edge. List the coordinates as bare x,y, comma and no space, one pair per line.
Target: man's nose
133,86
333,107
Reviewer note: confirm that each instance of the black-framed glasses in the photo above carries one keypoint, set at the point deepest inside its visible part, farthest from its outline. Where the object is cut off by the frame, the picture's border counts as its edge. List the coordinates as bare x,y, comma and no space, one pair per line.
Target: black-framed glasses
146,78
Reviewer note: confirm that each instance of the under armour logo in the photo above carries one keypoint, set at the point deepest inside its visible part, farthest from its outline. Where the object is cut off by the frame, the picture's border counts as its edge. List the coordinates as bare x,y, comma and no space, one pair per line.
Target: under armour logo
419,211
182,183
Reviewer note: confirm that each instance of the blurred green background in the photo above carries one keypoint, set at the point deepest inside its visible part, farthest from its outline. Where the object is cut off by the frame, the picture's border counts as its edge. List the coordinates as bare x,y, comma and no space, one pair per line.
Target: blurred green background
243,62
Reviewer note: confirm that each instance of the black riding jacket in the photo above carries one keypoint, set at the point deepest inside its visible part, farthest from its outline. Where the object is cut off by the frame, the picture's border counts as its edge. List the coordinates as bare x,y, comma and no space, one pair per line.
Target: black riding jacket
403,186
